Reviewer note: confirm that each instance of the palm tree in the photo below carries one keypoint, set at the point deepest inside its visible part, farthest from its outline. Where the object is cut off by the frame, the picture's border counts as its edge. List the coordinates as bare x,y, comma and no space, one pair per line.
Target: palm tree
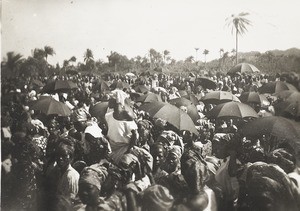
238,23
88,56
48,51
166,53
39,54
205,52
12,61
196,49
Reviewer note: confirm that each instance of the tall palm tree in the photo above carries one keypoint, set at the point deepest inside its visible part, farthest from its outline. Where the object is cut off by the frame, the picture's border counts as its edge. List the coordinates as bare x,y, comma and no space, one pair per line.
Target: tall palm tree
166,53
39,54
88,56
205,52
238,23
48,51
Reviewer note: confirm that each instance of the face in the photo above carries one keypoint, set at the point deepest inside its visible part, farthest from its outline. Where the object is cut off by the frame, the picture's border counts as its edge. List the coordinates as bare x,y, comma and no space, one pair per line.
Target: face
88,193
220,149
63,158
158,156
172,162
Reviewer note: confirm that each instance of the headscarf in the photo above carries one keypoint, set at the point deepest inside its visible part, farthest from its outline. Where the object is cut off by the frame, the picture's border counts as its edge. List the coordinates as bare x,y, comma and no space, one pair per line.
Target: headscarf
269,180
175,150
94,130
94,175
157,197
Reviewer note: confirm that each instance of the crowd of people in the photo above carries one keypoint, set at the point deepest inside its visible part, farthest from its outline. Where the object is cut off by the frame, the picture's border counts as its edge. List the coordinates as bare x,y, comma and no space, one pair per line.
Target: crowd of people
123,158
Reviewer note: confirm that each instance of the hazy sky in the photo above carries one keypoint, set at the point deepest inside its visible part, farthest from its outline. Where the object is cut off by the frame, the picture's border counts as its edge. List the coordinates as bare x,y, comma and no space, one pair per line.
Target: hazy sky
132,27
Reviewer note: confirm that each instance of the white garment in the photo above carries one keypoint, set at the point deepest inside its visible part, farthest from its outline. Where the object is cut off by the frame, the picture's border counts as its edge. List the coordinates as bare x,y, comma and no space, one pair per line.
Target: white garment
212,201
119,134
68,183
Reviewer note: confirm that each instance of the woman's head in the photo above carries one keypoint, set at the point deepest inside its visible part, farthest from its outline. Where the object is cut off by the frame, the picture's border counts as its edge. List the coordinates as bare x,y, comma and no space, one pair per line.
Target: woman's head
173,158
90,182
268,187
64,153
157,198
159,154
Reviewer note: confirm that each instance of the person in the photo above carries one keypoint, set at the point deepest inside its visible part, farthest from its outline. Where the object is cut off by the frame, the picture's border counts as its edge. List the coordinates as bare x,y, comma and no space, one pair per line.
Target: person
267,187
61,178
122,130
157,198
159,154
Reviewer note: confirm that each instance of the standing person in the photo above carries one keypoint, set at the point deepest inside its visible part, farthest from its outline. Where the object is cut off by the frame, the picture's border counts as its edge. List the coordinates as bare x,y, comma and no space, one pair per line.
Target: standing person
62,179
122,129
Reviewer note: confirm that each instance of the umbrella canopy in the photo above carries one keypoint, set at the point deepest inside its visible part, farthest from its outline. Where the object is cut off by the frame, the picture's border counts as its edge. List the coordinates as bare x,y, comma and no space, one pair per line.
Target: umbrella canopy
275,87
101,85
206,83
192,98
170,113
232,110
119,85
130,75
141,88
254,97
243,68
149,97
38,83
48,106
290,109
280,127
288,95
99,109
191,108
59,85
217,97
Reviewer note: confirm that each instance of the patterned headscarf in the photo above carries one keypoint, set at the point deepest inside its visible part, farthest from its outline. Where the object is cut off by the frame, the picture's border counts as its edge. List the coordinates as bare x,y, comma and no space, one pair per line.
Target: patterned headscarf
94,175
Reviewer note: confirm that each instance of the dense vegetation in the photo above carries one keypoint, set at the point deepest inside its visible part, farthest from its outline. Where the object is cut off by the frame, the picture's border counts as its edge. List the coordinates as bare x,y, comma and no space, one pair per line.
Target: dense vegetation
274,61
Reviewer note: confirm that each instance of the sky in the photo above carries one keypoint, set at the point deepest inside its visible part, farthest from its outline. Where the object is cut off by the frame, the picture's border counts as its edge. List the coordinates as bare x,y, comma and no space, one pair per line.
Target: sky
132,27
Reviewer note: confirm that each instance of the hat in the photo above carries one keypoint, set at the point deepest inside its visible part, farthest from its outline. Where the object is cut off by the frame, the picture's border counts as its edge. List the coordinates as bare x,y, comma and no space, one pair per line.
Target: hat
94,175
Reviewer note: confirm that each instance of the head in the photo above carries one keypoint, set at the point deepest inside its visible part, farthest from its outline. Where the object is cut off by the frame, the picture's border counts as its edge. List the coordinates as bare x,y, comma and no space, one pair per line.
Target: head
159,154
173,158
64,154
157,198
268,187
90,182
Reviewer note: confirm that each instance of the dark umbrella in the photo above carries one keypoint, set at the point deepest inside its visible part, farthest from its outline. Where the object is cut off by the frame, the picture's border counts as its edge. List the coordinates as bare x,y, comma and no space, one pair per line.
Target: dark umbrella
101,85
254,97
206,83
217,97
290,109
149,97
192,98
288,95
119,85
289,105
279,127
37,83
243,68
275,87
191,108
48,106
59,85
232,110
170,113
99,109
141,88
